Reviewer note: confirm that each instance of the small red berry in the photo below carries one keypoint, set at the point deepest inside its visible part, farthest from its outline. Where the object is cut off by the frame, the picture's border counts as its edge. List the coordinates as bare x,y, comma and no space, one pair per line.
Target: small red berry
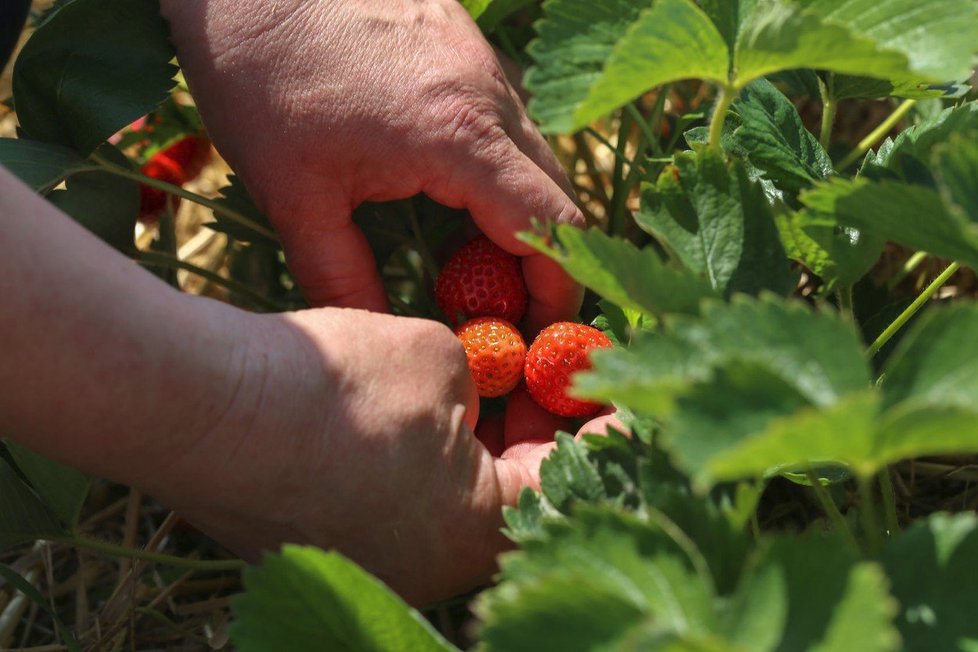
495,352
191,153
560,350
152,201
481,280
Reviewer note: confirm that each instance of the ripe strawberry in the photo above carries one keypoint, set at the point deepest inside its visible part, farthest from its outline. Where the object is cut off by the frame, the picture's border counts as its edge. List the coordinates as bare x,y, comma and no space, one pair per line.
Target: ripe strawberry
152,201
481,280
191,153
558,351
495,352
177,164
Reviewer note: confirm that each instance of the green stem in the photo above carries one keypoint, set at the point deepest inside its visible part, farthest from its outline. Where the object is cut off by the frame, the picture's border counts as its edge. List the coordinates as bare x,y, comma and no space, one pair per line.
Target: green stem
908,267
877,134
912,309
845,301
113,550
870,520
643,124
830,508
155,259
829,106
726,97
616,221
889,502
419,242
607,143
220,209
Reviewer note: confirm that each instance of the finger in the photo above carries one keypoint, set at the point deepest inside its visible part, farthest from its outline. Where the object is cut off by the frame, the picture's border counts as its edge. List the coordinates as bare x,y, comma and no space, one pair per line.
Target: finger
600,425
527,421
329,256
519,467
504,190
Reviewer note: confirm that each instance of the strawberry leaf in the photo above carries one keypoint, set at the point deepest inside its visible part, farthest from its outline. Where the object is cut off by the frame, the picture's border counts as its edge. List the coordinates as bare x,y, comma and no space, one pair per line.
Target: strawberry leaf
23,515
718,223
62,488
306,600
90,69
931,567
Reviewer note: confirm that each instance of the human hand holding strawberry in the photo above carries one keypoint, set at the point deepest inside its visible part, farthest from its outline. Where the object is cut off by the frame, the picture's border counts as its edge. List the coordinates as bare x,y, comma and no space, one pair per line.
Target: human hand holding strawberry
371,101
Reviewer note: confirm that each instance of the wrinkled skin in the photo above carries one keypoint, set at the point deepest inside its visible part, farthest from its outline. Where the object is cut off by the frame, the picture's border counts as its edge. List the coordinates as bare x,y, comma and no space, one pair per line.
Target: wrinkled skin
351,429
320,106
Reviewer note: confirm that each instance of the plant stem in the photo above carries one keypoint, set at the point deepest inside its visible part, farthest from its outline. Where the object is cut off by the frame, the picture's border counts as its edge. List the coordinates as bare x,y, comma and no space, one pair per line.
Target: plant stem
156,259
912,309
889,502
643,124
870,520
112,550
419,242
725,98
220,209
908,267
607,143
877,134
616,221
830,508
845,301
829,106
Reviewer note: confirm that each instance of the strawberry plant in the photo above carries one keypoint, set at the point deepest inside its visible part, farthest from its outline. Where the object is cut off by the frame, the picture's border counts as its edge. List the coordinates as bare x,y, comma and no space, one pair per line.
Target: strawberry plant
788,298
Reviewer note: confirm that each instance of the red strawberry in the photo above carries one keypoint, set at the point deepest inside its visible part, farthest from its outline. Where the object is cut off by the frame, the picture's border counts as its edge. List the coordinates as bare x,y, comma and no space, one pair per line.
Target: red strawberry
558,351
191,153
152,201
495,352
481,280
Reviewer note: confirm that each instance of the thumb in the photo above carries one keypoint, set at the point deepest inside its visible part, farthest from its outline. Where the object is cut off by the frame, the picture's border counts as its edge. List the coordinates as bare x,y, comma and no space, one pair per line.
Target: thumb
328,254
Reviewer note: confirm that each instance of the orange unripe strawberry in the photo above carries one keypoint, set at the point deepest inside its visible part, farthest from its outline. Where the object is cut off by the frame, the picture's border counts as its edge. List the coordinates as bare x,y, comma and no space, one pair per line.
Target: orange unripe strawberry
495,352
481,280
560,350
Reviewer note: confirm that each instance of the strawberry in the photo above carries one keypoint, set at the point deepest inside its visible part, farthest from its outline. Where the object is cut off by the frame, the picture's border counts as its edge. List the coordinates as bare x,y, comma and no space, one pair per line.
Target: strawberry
481,280
191,153
152,201
177,164
557,352
495,352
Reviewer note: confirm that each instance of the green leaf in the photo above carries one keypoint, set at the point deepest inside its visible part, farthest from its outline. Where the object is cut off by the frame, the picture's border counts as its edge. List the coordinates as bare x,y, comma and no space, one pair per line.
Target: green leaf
932,566
104,203
92,68
919,141
729,16
305,599
567,475
595,583
717,223
913,216
632,278
489,13
850,87
17,581
235,196
62,488
812,595
23,516
938,37
839,255
592,57
776,141
41,166
956,164
934,364
884,39
781,36
817,354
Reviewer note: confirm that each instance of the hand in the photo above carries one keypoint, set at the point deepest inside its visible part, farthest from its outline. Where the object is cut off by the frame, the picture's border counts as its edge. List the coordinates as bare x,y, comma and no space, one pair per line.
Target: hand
320,106
351,430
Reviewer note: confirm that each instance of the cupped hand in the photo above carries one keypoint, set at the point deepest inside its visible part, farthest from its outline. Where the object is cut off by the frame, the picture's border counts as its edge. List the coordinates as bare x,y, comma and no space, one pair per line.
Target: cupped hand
320,106
350,430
